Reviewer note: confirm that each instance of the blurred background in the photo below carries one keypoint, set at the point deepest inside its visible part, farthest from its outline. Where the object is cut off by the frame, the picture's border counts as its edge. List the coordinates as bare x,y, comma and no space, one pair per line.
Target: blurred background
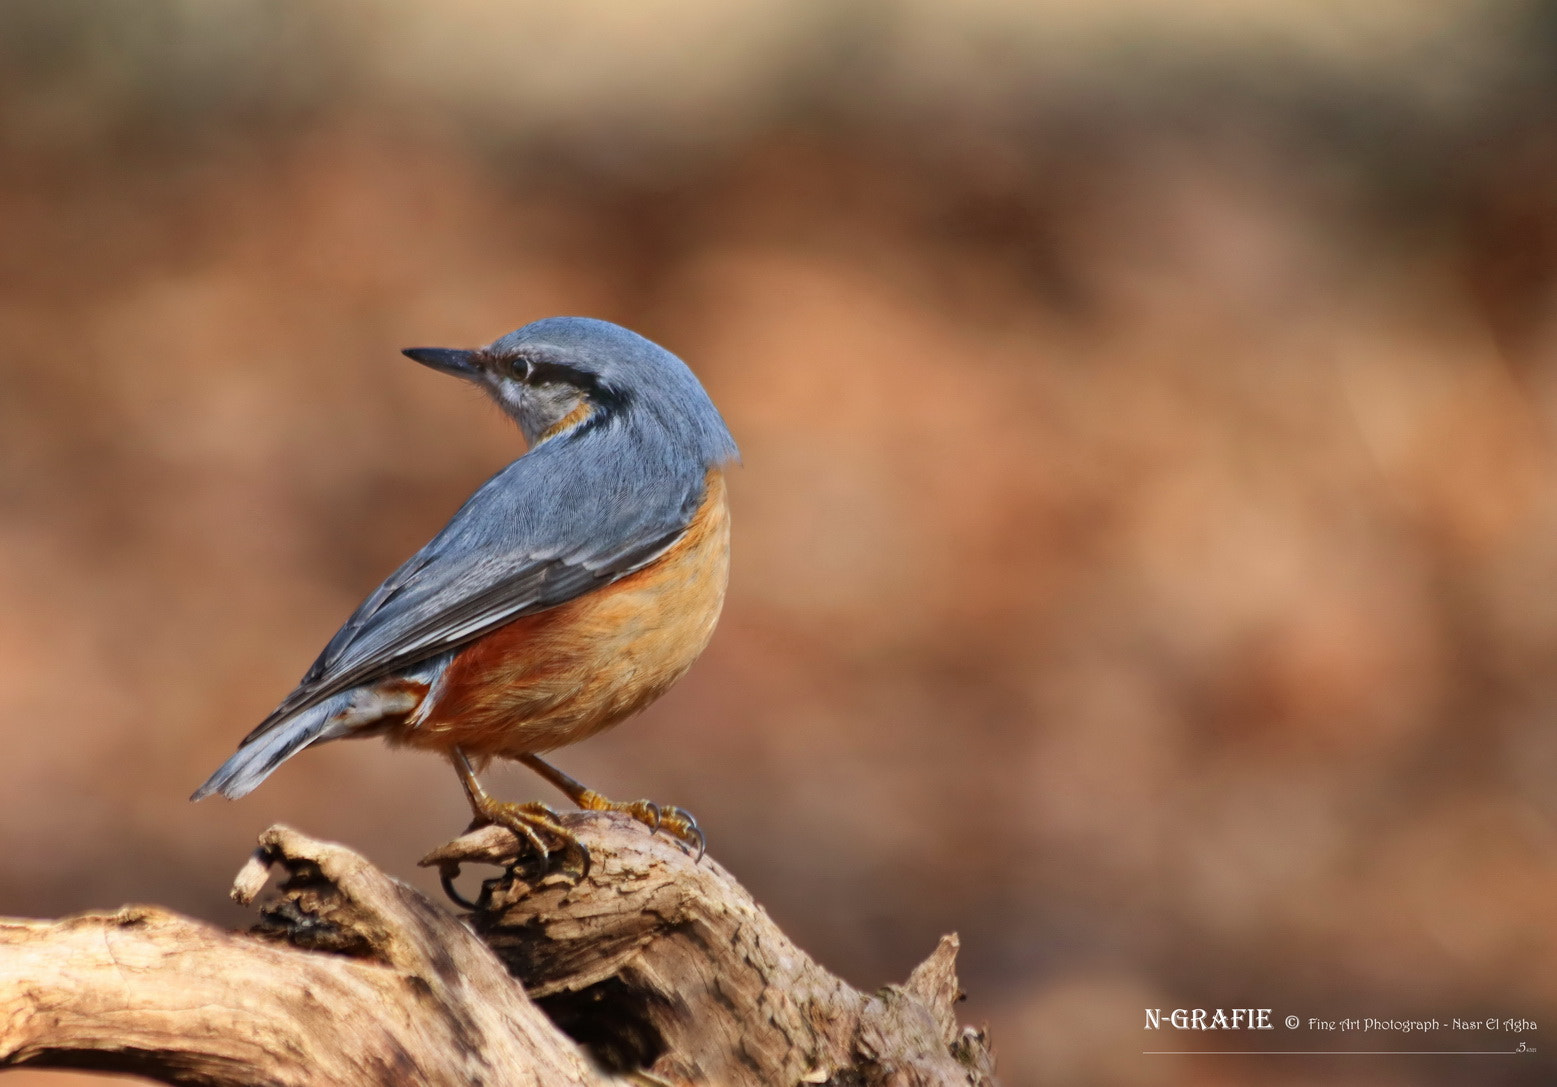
1146,550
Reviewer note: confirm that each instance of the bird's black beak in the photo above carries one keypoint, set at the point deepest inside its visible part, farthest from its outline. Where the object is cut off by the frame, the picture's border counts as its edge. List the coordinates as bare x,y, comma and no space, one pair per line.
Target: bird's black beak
447,359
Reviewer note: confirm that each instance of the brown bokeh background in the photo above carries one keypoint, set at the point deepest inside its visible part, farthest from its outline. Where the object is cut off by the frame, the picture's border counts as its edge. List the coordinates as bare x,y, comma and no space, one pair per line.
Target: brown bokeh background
1146,550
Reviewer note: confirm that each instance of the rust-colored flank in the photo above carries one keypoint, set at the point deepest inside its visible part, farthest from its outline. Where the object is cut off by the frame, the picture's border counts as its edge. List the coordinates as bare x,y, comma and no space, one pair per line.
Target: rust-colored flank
560,675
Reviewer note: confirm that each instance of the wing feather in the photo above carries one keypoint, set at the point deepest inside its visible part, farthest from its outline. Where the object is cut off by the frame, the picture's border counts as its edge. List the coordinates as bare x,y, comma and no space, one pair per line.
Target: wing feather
535,535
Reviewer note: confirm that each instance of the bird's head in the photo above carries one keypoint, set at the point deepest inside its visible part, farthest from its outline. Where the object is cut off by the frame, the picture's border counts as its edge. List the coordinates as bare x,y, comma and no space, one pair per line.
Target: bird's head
566,374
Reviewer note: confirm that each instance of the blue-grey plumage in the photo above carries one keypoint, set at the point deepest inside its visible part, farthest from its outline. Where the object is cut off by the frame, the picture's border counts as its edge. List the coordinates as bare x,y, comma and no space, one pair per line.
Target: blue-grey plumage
623,444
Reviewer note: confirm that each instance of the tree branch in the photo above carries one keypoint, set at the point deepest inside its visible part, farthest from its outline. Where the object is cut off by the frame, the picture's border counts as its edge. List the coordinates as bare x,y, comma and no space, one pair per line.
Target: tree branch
653,967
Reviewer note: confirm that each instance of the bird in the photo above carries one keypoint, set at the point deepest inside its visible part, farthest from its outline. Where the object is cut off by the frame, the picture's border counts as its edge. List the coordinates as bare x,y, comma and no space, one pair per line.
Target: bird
568,593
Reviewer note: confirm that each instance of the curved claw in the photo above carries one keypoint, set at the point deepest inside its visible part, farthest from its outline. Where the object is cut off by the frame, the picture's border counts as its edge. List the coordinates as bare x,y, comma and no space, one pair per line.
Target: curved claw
569,857
571,860
537,846
683,825
447,874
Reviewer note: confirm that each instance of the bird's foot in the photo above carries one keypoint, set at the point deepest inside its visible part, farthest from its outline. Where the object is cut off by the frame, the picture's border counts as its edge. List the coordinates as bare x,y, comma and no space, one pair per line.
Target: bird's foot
677,822
553,847
674,821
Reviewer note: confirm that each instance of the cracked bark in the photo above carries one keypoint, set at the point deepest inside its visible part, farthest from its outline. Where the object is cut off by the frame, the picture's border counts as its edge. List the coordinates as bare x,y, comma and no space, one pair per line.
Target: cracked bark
652,970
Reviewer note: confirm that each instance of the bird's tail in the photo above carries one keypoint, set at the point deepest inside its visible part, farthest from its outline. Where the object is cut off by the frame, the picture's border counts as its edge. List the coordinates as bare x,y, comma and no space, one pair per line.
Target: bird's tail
253,762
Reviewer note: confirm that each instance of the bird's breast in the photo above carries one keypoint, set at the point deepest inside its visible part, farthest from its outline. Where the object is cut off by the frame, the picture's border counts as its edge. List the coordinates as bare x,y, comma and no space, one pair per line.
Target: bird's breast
557,676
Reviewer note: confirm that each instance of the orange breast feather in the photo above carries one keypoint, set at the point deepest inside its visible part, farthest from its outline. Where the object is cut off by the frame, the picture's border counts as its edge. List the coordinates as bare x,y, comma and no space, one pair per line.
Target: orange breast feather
557,676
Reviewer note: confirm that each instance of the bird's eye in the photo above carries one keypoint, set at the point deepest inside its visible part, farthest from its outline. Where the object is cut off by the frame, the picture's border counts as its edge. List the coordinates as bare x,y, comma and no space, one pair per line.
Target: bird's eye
519,367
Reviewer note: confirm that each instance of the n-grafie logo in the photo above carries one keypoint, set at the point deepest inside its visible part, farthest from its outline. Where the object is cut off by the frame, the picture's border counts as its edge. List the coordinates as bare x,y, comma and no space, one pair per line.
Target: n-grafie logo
1210,1019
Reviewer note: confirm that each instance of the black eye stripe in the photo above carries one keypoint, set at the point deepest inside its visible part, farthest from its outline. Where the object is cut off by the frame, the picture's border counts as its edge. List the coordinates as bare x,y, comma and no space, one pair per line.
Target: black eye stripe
554,373
542,371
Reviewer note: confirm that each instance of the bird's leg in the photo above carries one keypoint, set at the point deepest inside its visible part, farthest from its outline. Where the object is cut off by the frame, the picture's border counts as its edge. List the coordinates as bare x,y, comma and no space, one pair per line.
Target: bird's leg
533,823
677,822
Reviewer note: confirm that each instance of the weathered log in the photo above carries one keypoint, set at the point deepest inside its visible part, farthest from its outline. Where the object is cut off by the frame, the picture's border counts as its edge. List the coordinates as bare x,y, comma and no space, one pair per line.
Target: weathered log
653,968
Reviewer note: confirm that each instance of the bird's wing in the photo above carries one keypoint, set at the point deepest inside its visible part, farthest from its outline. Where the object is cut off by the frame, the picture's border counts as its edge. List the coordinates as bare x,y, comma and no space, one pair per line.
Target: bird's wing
535,535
